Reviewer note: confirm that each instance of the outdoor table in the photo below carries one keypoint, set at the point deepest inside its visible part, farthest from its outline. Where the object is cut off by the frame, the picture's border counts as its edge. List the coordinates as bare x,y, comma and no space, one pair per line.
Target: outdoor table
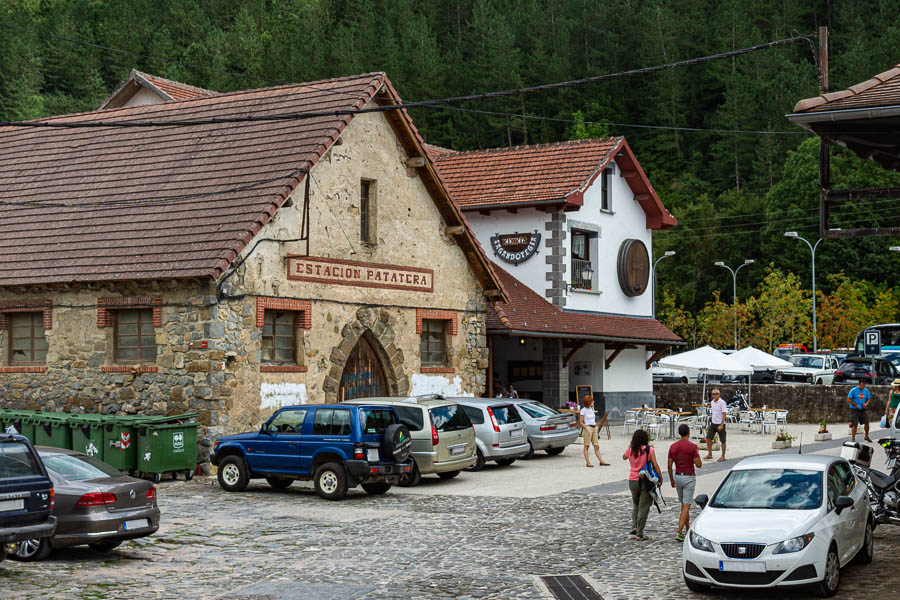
673,415
760,418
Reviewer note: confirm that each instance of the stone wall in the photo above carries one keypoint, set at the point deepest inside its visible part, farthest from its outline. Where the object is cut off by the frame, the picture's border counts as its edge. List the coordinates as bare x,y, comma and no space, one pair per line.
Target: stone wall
806,403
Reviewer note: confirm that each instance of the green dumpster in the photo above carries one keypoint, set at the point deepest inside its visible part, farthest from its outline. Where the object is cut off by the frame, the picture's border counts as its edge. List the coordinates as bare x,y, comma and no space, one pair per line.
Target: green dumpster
87,435
23,421
120,442
167,448
52,429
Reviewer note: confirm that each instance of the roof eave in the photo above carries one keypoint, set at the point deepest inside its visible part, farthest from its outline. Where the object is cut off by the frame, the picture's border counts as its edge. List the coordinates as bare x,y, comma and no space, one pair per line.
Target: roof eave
581,336
805,119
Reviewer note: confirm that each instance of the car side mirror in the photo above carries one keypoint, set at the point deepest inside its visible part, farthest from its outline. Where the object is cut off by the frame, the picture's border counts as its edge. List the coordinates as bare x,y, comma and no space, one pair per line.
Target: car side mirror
701,501
841,503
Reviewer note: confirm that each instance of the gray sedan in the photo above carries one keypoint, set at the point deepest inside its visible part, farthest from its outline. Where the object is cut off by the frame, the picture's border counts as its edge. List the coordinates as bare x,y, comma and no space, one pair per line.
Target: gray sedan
548,430
95,504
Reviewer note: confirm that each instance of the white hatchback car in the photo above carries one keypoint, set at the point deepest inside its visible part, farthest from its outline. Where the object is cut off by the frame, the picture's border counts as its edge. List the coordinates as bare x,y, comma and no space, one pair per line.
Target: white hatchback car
780,521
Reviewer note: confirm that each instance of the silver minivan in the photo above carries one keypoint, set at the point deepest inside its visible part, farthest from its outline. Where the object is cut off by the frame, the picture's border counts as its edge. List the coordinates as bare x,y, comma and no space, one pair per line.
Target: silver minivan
443,440
499,430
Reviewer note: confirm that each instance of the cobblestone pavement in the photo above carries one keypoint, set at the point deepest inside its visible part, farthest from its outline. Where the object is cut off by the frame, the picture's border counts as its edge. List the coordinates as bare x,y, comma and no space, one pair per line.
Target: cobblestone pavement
264,544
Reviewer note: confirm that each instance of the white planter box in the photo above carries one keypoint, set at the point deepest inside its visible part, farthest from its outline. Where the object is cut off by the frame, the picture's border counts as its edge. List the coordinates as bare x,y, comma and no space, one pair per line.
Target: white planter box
715,445
780,445
823,437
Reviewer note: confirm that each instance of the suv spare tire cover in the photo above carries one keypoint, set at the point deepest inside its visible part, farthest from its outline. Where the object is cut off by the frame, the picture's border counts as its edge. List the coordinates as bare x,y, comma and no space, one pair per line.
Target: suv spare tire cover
397,443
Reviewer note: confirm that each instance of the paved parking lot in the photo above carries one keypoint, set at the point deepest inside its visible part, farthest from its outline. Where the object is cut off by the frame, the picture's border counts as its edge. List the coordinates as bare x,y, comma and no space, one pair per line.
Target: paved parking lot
417,543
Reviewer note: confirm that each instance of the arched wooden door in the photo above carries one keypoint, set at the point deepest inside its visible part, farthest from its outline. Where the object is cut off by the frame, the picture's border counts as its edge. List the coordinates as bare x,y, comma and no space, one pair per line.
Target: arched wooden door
363,374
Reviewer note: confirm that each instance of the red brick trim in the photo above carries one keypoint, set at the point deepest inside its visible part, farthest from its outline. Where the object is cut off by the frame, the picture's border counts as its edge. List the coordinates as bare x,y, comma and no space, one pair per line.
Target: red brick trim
437,370
440,315
129,369
105,307
15,306
283,369
23,369
302,306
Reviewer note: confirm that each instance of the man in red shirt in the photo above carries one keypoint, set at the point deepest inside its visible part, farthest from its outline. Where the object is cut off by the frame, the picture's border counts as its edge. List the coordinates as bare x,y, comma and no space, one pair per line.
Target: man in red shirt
684,456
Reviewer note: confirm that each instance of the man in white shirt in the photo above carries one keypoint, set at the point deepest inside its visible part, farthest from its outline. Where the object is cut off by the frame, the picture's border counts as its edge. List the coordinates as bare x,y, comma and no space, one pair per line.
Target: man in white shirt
716,424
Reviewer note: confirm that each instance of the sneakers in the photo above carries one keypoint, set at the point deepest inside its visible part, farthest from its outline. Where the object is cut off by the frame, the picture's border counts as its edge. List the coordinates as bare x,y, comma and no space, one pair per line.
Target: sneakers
679,537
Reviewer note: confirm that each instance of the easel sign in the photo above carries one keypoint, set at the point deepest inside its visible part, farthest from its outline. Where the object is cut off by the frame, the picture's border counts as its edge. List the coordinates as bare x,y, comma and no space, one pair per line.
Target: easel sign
581,391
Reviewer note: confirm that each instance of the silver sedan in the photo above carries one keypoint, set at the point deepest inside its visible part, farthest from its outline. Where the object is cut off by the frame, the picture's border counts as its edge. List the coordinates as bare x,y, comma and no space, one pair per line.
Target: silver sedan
548,430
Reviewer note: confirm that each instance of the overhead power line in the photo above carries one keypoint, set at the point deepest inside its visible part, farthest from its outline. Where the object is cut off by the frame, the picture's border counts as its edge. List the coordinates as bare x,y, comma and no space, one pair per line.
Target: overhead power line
407,105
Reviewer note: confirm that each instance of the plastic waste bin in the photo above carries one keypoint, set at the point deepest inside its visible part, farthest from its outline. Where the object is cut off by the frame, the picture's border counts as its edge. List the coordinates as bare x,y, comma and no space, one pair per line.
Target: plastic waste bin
87,434
120,442
167,448
52,429
23,421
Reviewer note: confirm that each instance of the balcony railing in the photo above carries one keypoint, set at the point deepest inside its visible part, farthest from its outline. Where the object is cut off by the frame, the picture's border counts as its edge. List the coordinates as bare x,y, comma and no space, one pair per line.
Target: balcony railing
578,280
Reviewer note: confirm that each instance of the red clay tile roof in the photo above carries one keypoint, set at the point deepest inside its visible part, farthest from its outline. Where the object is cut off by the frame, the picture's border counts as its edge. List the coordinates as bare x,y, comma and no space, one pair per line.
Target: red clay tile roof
528,313
106,204
544,174
881,90
166,89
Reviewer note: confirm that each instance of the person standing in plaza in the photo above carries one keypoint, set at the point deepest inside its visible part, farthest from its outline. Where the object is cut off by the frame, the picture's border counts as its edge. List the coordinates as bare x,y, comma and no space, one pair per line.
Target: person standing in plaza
718,409
893,402
684,456
512,392
637,455
587,418
858,400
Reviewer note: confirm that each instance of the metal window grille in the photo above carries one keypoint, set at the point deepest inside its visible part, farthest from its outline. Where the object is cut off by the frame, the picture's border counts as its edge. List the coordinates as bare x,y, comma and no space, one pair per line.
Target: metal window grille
135,336
279,337
433,342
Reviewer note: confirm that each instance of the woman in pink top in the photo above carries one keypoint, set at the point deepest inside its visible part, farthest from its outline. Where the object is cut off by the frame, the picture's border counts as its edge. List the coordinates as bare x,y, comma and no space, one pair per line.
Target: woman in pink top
637,455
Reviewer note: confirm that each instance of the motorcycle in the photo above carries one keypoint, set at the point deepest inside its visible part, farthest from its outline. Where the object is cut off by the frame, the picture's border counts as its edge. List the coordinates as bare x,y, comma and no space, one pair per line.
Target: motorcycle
883,488
739,401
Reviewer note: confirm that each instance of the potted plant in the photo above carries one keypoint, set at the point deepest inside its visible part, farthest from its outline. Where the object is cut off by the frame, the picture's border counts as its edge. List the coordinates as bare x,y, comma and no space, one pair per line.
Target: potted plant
782,440
823,434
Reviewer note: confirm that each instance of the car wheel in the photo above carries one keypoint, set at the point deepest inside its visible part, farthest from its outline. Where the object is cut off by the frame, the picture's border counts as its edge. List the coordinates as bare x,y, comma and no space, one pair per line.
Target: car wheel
505,462
232,475
279,483
30,550
448,474
829,585
412,478
331,481
867,552
396,443
479,461
819,382
376,489
694,586
530,454
555,451
105,546
684,380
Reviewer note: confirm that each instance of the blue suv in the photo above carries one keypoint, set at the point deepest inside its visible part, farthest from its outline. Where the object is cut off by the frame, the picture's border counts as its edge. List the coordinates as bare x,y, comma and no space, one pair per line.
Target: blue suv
338,446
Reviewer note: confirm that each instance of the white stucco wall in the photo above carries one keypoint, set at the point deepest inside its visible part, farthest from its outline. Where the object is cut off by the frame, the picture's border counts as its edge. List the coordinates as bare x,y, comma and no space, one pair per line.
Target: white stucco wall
531,272
143,97
626,221
627,372
594,355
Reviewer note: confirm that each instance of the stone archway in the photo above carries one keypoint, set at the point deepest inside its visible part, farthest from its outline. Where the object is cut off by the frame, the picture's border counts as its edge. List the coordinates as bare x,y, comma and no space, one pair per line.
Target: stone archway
378,328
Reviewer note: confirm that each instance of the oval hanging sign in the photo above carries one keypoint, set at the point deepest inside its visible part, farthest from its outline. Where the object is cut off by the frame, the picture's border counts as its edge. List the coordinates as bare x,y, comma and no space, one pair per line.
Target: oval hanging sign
633,267
515,247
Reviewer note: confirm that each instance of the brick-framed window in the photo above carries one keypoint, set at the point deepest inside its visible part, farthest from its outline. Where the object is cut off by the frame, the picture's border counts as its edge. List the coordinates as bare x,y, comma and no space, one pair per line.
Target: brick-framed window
282,321
25,325
434,328
133,320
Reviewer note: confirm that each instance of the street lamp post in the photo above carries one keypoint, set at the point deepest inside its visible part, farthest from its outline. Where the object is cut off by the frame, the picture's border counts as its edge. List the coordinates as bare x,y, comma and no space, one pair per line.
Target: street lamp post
812,249
734,273
666,254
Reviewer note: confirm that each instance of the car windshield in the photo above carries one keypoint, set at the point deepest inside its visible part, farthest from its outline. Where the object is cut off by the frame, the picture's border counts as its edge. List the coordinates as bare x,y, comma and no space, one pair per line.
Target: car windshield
852,365
792,489
450,418
537,410
17,461
78,467
809,362
376,420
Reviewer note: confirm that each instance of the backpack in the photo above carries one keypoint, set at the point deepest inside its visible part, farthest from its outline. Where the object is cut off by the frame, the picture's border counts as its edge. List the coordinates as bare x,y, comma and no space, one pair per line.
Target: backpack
648,476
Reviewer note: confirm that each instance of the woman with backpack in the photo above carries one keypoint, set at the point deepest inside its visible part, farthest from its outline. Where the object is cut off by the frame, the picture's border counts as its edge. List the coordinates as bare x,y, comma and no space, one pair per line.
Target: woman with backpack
638,454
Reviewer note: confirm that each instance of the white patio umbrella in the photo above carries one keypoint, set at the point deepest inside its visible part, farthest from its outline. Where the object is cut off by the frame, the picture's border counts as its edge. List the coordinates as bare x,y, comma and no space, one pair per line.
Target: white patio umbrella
706,360
757,359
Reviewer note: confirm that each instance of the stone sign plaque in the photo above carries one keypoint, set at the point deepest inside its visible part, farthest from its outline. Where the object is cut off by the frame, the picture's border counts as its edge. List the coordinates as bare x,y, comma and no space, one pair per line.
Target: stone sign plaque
515,247
633,267
360,274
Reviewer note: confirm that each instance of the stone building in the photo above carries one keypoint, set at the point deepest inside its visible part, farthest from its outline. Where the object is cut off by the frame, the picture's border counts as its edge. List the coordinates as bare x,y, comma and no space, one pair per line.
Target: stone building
236,262
569,229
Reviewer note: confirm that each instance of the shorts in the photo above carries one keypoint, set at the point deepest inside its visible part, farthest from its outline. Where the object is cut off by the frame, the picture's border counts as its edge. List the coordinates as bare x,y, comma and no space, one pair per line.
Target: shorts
684,487
714,430
858,417
589,433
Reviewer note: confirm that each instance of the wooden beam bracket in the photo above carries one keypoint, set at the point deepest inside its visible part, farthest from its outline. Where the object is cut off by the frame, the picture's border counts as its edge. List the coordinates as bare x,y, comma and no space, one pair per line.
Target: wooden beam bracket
656,356
415,161
573,352
613,356
455,230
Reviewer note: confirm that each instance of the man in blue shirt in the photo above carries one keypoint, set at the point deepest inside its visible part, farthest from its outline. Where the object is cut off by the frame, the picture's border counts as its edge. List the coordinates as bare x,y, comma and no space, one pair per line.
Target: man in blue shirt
858,399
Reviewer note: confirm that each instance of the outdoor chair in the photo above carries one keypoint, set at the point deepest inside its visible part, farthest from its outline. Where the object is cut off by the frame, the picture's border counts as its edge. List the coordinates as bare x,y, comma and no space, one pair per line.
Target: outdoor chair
631,420
781,418
747,420
769,421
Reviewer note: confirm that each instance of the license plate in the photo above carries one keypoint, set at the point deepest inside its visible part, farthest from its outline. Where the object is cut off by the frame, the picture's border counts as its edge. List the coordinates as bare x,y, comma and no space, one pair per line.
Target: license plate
563,426
743,566
457,450
136,524
516,432
372,454
8,505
